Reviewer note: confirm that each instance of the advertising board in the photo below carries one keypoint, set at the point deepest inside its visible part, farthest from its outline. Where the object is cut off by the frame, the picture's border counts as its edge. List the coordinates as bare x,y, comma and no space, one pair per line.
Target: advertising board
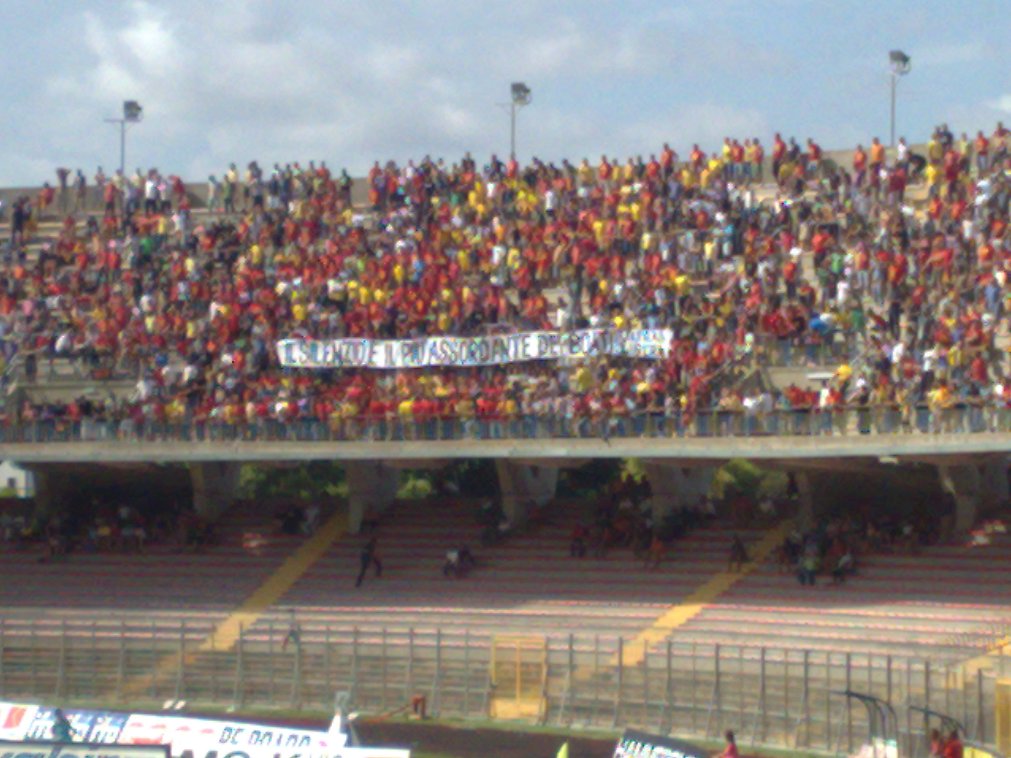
636,744
182,736
26,749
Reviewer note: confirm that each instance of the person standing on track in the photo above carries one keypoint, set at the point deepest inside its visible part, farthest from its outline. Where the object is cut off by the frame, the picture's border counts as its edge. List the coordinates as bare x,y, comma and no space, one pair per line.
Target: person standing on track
368,558
62,730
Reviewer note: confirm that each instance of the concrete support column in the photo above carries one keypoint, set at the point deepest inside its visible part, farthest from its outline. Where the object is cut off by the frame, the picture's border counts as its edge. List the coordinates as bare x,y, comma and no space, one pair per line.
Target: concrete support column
49,487
996,491
214,487
674,487
964,484
372,488
665,494
805,499
521,484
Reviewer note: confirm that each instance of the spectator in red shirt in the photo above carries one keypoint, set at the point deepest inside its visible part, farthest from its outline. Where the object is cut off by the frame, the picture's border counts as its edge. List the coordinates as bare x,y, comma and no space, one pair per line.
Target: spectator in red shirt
953,745
730,751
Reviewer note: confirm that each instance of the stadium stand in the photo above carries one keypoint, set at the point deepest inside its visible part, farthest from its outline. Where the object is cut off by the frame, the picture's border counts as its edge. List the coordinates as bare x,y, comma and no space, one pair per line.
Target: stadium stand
947,603
837,264
826,301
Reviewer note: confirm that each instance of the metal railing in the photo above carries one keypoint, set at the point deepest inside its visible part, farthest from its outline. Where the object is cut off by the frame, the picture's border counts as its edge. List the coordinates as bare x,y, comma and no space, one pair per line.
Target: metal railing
962,418
775,697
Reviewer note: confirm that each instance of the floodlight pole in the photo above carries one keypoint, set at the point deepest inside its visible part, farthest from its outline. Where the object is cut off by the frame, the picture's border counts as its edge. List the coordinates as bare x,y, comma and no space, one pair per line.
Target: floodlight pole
122,142
895,79
519,96
131,113
122,147
512,130
900,66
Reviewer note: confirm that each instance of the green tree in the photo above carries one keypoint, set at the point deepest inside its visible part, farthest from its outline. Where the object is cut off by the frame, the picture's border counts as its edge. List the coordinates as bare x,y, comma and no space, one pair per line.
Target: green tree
305,481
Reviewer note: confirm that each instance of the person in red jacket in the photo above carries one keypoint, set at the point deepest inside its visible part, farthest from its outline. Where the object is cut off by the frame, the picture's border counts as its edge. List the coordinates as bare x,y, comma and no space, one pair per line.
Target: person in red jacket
730,751
953,746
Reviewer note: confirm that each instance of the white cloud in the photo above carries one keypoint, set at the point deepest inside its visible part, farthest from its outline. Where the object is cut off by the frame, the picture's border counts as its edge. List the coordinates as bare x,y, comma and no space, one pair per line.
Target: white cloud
1002,104
358,80
951,53
551,52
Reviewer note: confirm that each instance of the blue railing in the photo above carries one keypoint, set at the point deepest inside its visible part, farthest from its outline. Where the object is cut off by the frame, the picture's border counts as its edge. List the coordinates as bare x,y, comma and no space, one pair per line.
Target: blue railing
878,420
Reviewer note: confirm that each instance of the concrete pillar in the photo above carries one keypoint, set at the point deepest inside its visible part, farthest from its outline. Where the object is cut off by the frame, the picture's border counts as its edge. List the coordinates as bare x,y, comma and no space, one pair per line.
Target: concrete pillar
964,484
805,499
521,484
214,487
674,487
372,488
996,491
665,495
55,489
49,488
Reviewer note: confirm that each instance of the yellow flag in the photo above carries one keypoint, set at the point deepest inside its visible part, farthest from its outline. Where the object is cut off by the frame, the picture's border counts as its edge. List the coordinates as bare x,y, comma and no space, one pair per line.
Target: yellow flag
563,751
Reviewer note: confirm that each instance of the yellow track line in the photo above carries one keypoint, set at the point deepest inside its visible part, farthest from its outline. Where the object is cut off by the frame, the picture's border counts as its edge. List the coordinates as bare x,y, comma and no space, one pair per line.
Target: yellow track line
226,634
680,614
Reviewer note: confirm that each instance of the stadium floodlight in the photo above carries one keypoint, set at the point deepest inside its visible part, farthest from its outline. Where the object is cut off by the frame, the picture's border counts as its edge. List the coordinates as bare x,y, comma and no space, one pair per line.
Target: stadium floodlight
132,111
521,97
132,114
521,93
900,65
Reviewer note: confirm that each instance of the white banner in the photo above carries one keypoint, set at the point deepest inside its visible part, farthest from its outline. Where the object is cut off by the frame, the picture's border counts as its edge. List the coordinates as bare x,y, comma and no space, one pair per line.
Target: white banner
489,350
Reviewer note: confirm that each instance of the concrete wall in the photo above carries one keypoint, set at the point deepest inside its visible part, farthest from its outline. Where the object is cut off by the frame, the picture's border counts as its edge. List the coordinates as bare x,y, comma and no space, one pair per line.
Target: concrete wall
215,486
521,484
372,488
674,487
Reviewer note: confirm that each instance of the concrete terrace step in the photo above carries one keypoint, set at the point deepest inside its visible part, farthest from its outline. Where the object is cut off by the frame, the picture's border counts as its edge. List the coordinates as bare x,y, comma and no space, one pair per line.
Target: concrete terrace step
541,610
391,591
473,623
863,597
825,644
937,588
556,555
898,634
943,613
820,621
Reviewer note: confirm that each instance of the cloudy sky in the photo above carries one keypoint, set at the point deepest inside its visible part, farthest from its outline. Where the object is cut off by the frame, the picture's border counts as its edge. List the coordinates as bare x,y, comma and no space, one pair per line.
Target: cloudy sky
349,81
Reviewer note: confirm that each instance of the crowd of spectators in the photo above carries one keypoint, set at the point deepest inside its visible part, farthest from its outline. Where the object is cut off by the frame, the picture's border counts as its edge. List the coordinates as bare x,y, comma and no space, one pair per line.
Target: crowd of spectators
833,546
824,262
103,527
623,518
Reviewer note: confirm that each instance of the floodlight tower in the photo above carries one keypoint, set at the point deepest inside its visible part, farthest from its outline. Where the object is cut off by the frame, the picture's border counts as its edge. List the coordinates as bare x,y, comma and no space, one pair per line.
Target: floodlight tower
132,113
521,96
900,65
